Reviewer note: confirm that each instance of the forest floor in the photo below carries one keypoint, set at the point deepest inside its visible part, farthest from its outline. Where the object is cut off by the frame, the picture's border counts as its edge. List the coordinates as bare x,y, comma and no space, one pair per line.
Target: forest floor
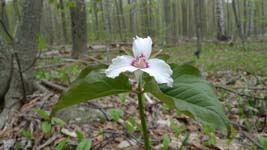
240,79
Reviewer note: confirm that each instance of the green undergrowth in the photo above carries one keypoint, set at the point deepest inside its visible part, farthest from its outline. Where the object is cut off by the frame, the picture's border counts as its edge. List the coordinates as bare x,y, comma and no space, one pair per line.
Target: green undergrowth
223,57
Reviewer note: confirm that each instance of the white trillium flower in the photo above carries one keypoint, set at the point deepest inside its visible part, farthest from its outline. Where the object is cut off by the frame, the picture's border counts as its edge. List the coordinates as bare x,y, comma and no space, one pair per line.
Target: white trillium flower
142,47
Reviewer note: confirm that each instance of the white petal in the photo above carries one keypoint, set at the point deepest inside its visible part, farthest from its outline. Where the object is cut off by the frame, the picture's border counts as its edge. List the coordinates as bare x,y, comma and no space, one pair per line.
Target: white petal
120,64
142,46
160,70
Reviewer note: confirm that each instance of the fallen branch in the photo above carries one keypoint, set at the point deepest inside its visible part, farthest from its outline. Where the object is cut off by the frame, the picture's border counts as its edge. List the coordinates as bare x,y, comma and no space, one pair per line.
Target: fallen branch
54,86
240,94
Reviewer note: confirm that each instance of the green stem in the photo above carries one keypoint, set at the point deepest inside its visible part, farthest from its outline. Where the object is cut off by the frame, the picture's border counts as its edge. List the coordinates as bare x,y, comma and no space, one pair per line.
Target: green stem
142,116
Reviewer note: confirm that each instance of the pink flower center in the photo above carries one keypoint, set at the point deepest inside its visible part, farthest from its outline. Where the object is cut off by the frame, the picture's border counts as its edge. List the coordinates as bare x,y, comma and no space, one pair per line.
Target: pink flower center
140,62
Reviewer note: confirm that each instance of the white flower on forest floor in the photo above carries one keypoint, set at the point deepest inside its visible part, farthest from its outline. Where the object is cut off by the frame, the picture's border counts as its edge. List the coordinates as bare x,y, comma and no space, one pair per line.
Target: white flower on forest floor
142,47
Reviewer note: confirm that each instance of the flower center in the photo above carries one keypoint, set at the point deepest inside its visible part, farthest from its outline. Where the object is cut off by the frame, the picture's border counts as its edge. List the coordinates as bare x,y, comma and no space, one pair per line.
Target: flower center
140,62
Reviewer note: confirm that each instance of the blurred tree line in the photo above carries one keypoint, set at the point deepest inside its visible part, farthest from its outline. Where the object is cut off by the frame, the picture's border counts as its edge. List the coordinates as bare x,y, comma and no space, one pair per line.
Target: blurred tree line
165,20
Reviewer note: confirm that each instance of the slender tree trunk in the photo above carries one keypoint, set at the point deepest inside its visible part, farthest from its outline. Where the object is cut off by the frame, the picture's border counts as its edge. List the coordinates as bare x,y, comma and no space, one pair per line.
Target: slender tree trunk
95,11
26,46
118,19
63,19
79,29
220,20
48,22
251,18
197,15
167,20
239,27
108,27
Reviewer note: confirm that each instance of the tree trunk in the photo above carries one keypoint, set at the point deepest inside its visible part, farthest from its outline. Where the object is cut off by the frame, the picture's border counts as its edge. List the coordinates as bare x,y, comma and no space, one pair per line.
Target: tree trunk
118,19
197,15
108,27
26,47
63,19
79,29
95,11
167,17
239,27
220,20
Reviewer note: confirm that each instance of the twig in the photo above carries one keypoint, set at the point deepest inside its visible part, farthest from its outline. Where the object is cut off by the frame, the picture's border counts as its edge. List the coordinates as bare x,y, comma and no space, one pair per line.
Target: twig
253,88
49,141
97,60
240,94
246,134
101,109
50,66
40,87
54,86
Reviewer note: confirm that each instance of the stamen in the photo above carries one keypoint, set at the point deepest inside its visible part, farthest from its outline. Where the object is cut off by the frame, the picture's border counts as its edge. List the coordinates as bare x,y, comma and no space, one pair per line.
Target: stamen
140,62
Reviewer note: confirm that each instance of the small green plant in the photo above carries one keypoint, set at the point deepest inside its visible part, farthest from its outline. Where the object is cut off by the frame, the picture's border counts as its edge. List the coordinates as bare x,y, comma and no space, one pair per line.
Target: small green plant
166,142
46,128
130,125
79,135
41,113
62,144
18,146
179,86
27,134
185,140
116,114
263,142
85,144
122,97
58,121
165,108
211,137
177,130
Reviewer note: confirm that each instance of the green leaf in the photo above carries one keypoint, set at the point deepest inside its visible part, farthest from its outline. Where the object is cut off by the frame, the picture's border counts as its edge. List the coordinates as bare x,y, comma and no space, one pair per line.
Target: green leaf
90,86
46,127
192,95
166,142
116,114
61,145
27,134
41,113
80,136
58,121
85,144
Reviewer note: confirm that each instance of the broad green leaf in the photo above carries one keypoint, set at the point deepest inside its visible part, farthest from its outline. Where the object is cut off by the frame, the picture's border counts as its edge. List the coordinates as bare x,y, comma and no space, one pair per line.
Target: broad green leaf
91,86
192,95
85,144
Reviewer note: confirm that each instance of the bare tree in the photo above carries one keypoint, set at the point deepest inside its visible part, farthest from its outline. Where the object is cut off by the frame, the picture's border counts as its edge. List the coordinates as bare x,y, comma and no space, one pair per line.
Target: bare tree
79,29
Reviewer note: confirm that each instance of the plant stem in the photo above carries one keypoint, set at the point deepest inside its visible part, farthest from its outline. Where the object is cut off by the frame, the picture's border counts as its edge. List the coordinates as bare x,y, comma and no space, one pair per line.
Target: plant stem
142,116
